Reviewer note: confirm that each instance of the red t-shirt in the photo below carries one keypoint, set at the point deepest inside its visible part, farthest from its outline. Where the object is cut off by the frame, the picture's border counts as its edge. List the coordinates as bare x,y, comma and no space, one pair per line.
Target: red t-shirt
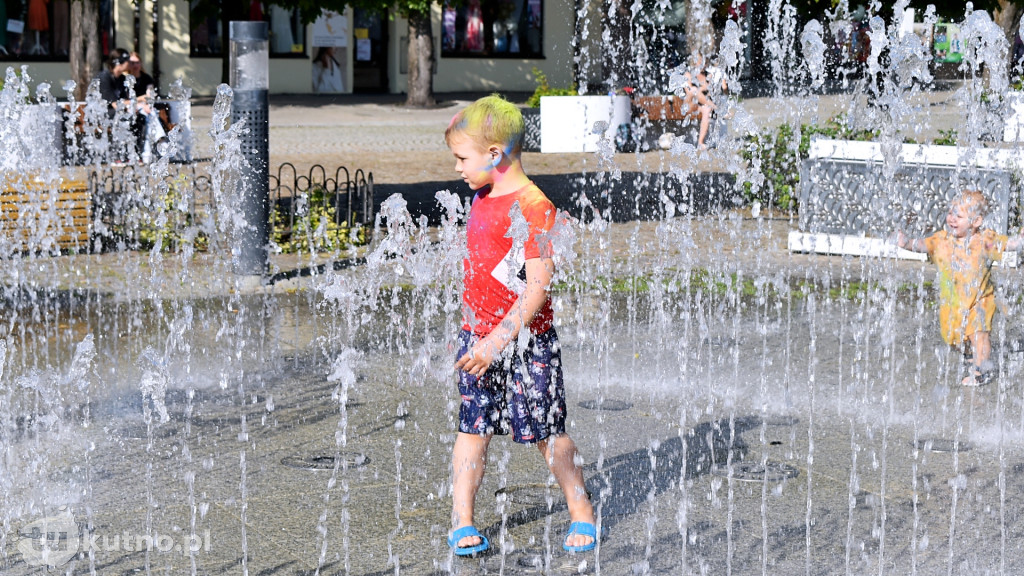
498,247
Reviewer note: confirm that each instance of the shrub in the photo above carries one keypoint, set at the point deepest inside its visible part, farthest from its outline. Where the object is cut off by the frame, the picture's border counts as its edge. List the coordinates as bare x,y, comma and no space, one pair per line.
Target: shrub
545,89
946,138
777,156
315,227
169,223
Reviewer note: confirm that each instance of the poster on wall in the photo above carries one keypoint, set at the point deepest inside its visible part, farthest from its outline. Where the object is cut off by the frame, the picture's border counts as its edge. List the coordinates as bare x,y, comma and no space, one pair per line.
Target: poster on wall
330,39
949,44
330,29
364,49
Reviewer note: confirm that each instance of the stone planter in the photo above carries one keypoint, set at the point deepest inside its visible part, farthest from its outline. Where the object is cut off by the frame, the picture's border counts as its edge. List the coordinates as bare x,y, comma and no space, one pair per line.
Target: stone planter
531,139
580,123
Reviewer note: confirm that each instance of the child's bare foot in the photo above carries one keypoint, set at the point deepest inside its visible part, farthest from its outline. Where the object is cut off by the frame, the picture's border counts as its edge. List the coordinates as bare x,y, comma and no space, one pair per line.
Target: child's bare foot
977,377
467,541
581,538
576,539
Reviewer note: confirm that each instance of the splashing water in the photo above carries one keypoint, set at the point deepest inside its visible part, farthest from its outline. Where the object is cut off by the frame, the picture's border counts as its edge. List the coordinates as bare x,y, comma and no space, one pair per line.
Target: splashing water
737,407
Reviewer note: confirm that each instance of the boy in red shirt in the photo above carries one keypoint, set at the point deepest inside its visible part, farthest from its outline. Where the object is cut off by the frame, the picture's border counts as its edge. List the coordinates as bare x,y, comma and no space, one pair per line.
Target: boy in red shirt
509,363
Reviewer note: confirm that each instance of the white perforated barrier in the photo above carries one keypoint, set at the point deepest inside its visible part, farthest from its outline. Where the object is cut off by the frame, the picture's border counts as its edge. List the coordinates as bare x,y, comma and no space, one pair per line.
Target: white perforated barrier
850,201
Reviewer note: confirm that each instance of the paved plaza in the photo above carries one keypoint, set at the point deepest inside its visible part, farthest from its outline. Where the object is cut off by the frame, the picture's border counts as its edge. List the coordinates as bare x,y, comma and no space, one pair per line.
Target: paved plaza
740,409
401,145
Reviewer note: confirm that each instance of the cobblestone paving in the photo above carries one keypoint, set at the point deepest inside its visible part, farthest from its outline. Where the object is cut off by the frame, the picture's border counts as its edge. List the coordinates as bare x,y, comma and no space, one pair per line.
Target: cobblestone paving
402,145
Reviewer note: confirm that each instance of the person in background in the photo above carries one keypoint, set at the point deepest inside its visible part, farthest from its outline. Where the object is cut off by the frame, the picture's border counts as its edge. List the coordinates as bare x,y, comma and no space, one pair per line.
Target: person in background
140,117
145,97
111,80
143,81
699,87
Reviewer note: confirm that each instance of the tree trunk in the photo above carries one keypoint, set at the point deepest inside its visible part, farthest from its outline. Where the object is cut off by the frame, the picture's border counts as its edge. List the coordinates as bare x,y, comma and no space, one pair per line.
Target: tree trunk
84,53
1007,15
421,60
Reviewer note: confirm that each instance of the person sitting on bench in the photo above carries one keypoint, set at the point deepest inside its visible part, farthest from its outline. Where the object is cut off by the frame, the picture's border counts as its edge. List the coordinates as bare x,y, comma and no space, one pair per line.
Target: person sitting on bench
114,91
697,87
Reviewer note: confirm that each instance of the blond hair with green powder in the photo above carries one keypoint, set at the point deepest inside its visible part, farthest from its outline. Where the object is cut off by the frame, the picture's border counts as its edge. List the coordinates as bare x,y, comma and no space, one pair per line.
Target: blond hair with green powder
490,120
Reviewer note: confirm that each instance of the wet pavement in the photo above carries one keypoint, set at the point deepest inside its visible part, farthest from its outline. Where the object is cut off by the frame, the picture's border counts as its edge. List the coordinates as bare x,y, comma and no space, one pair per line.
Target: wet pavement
740,409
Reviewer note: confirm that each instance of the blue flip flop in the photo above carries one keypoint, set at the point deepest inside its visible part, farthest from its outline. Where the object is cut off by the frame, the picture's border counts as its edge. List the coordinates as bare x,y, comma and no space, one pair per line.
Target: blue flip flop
463,532
583,529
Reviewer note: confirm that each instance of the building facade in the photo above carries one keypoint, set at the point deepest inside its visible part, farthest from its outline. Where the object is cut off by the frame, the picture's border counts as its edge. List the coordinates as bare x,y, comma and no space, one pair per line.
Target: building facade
479,46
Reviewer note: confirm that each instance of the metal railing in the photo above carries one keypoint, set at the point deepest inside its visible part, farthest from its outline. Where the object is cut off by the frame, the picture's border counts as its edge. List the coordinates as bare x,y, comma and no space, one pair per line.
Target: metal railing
133,208
347,197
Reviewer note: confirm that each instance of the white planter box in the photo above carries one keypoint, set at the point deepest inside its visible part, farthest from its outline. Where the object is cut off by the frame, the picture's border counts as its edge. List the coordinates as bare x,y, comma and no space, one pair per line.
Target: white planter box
919,154
580,123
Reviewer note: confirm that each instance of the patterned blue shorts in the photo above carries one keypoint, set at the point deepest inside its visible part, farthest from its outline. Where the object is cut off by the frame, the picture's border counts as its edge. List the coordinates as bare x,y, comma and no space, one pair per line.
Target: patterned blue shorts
529,403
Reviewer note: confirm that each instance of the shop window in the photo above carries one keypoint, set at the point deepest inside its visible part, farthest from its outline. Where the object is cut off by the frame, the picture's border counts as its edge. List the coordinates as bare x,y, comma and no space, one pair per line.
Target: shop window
493,29
287,34
206,34
37,30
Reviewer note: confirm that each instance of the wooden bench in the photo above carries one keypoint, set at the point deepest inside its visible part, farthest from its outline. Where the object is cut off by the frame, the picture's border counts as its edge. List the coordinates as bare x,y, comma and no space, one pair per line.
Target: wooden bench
660,108
654,116
32,212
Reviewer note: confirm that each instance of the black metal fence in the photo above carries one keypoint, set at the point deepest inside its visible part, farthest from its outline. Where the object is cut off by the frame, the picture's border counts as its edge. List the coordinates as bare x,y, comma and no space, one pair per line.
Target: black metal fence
133,208
319,204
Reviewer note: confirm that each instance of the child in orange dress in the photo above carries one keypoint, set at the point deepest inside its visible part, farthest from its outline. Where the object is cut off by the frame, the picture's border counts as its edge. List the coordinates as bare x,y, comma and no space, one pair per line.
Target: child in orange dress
964,254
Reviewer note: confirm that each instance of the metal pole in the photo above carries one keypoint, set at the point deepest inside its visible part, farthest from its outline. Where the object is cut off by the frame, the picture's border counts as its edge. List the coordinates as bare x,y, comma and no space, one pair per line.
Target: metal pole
249,52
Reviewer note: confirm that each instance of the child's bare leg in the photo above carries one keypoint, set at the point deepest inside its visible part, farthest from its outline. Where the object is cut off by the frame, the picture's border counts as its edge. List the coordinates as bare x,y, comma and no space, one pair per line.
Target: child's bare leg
705,122
469,458
559,452
981,347
981,344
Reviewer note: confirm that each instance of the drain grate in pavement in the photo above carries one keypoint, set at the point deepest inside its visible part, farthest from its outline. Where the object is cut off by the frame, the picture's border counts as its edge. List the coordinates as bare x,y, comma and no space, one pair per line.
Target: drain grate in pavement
942,445
606,404
326,461
756,472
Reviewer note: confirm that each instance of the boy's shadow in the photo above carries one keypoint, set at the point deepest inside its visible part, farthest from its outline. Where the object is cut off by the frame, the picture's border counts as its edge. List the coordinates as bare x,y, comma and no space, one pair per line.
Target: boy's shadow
625,482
